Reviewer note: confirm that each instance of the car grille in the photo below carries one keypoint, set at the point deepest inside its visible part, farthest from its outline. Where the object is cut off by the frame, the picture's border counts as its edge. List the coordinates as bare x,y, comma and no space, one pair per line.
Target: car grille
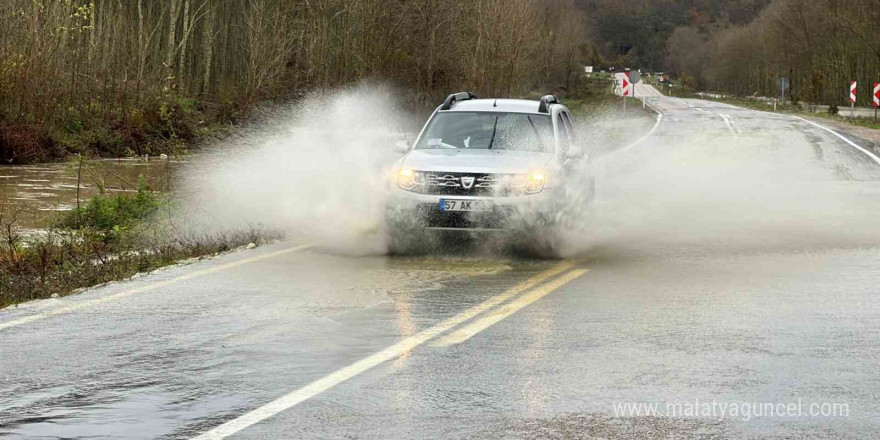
451,184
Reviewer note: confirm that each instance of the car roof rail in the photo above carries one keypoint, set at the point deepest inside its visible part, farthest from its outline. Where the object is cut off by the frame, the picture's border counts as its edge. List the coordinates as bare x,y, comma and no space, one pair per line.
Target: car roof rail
546,100
453,98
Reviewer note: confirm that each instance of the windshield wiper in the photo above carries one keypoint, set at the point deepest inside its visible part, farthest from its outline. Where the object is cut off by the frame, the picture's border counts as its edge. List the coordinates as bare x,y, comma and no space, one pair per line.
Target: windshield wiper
492,139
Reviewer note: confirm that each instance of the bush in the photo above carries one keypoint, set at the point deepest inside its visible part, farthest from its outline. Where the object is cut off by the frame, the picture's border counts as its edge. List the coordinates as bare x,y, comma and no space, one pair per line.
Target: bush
112,237
112,214
24,143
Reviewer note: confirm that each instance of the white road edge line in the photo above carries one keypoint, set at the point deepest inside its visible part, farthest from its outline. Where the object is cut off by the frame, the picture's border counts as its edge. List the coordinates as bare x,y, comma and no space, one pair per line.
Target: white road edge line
735,127
148,287
650,132
727,121
853,144
295,397
873,156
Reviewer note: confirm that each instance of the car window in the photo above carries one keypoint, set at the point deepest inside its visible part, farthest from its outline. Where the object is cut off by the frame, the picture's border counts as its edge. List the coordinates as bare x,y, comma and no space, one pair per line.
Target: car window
488,130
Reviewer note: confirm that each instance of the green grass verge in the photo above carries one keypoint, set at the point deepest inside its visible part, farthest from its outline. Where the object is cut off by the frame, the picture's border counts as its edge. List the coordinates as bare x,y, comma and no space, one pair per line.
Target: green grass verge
604,103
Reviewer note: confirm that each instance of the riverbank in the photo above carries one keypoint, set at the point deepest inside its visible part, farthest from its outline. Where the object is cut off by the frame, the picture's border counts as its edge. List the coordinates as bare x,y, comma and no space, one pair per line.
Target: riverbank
111,237
172,126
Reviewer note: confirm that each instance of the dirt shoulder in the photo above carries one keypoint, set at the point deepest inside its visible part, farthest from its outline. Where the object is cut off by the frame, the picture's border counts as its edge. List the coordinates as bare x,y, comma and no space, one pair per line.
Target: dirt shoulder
870,137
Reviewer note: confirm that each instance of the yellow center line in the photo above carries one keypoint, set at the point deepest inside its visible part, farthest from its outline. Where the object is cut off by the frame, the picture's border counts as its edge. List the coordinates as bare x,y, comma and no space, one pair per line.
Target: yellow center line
153,286
335,378
468,331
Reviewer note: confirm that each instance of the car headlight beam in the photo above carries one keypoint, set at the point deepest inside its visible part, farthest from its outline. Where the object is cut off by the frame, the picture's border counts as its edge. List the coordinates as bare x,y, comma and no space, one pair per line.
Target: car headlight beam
535,183
408,179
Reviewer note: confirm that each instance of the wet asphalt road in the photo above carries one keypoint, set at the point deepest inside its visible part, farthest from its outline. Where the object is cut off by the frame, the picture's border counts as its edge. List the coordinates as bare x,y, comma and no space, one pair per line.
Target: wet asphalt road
179,352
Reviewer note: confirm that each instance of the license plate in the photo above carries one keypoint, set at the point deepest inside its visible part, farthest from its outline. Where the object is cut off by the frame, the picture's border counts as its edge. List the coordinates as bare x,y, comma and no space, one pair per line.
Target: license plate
465,205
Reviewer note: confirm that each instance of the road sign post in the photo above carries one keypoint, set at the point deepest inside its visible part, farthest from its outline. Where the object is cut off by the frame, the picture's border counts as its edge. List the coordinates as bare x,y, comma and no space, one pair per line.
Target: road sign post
852,98
635,78
876,98
783,84
625,88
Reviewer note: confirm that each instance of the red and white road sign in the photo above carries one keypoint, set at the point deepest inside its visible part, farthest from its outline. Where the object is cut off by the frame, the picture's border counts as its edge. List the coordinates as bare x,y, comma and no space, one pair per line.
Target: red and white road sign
625,85
852,91
876,95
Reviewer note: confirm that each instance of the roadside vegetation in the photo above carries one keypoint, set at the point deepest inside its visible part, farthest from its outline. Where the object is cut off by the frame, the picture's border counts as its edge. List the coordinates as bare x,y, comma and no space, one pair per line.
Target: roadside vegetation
818,46
595,97
110,78
110,237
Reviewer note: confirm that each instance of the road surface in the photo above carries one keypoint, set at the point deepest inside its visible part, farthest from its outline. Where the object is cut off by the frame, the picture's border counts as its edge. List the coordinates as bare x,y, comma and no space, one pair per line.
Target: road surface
732,263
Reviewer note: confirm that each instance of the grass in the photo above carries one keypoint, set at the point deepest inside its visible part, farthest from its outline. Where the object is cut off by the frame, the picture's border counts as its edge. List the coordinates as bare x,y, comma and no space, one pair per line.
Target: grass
586,108
595,98
112,237
857,121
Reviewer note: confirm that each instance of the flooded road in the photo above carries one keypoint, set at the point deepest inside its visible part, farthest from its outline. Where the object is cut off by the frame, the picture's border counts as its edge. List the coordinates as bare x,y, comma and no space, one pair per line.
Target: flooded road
34,194
702,287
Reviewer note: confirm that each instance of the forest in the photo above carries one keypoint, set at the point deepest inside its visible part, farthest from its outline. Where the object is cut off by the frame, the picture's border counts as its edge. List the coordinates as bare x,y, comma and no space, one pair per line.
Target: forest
818,45
135,77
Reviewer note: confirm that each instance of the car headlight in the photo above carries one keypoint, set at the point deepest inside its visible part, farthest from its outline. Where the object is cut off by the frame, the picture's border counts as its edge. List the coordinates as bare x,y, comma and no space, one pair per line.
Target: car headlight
535,183
409,179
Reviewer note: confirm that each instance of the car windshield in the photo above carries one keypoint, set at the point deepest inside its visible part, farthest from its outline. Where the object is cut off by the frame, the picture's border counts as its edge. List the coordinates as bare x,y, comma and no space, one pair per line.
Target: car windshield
489,130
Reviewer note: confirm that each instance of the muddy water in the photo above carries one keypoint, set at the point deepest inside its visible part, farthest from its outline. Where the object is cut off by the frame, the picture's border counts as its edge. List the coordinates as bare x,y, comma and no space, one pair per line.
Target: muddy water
34,195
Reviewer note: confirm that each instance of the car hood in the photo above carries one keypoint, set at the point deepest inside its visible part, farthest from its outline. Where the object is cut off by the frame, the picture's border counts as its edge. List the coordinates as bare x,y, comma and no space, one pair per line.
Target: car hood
476,161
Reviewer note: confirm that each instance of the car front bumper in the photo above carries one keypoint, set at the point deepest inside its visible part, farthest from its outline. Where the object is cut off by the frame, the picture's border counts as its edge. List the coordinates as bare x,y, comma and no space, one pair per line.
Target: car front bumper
423,210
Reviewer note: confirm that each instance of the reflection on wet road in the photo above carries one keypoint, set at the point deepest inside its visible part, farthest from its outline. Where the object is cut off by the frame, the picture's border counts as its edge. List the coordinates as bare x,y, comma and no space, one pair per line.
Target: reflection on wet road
699,297
270,334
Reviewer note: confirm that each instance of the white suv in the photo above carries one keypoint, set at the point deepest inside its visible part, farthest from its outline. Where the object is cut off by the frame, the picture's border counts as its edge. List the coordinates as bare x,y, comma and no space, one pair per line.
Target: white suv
487,164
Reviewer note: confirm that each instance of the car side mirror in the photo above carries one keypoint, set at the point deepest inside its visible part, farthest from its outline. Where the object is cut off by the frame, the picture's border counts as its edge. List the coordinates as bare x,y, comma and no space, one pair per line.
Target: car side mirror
401,146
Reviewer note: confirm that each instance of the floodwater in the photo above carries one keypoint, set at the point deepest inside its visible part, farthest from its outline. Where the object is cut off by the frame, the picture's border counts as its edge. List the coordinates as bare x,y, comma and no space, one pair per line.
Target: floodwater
33,195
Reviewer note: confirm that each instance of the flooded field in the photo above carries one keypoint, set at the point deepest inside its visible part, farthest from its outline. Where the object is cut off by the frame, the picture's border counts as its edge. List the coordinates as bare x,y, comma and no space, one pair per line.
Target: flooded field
33,195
